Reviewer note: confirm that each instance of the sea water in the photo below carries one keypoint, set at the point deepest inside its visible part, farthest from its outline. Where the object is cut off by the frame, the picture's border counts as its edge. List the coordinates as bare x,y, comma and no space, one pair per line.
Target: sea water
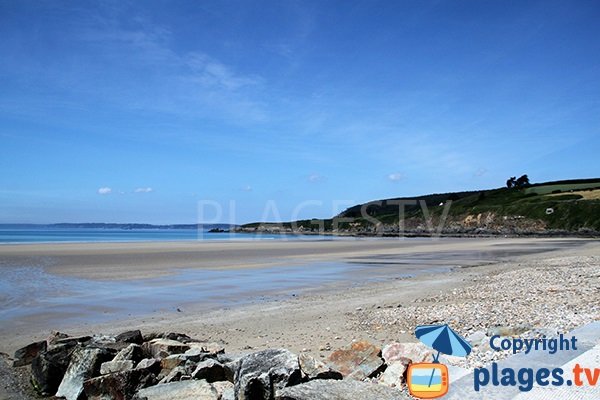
83,235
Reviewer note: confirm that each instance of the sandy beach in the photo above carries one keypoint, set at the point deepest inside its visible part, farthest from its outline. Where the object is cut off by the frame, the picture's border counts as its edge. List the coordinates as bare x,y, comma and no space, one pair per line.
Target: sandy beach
122,261
314,314
374,290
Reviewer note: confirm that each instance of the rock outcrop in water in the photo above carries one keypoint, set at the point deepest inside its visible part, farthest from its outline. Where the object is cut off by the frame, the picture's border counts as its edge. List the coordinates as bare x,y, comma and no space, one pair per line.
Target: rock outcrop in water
175,366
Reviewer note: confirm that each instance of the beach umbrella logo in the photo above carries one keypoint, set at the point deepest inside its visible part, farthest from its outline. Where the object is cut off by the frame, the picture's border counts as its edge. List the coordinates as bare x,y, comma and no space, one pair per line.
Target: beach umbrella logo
430,380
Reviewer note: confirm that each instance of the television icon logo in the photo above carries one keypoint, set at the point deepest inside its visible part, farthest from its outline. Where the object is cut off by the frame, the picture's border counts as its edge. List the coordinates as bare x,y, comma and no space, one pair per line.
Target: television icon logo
427,380
430,380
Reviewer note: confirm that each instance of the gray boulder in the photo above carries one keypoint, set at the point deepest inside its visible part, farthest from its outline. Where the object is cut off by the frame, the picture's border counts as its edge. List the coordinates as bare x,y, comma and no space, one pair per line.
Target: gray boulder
151,364
173,361
49,367
340,390
119,385
132,352
25,355
160,348
72,340
134,336
195,354
184,390
85,364
259,375
315,369
110,367
211,371
176,374
107,342
393,374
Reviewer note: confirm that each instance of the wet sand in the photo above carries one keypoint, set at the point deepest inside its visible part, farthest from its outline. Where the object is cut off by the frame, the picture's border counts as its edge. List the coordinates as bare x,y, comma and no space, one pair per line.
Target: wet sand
120,261
258,294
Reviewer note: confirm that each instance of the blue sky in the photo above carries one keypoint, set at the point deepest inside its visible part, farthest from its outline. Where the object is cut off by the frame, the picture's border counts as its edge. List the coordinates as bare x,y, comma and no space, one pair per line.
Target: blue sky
137,111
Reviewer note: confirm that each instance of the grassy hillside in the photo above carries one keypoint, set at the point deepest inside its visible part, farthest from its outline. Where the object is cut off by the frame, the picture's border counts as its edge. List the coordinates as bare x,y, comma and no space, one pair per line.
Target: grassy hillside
562,205
572,206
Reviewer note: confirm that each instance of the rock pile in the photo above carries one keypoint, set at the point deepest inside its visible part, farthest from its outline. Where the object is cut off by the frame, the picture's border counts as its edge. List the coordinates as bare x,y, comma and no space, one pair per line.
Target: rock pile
174,366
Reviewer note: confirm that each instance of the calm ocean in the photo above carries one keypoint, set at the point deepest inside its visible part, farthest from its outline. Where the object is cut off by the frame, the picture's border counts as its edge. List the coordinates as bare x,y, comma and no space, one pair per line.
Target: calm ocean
51,235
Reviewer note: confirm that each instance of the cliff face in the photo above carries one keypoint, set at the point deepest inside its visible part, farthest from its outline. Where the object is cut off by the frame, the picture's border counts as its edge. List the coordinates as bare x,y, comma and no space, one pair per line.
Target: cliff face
469,224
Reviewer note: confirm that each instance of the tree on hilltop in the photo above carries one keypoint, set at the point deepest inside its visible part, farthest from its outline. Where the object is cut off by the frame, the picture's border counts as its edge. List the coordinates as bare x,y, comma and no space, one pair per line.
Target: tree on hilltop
513,182
523,181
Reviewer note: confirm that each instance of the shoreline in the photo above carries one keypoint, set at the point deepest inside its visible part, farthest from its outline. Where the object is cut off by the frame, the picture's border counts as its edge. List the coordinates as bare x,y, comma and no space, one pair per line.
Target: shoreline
296,322
329,235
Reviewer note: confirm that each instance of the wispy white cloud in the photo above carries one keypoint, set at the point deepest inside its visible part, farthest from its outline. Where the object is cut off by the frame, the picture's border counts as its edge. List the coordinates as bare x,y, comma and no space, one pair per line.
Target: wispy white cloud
481,171
143,190
314,177
395,176
135,66
208,71
247,188
104,190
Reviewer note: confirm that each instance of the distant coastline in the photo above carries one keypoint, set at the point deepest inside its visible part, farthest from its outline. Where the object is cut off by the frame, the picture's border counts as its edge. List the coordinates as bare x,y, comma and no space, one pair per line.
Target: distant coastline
109,225
28,234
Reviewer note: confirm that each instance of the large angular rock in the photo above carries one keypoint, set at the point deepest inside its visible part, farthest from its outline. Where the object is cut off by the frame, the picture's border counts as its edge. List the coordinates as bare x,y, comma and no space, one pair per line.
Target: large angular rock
110,367
150,364
134,336
198,354
184,390
360,361
107,342
120,385
394,374
49,367
161,348
25,355
407,353
174,375
259,375
173,361
193,355
211,371
316,369
133,352
85,364
340,390
72,340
